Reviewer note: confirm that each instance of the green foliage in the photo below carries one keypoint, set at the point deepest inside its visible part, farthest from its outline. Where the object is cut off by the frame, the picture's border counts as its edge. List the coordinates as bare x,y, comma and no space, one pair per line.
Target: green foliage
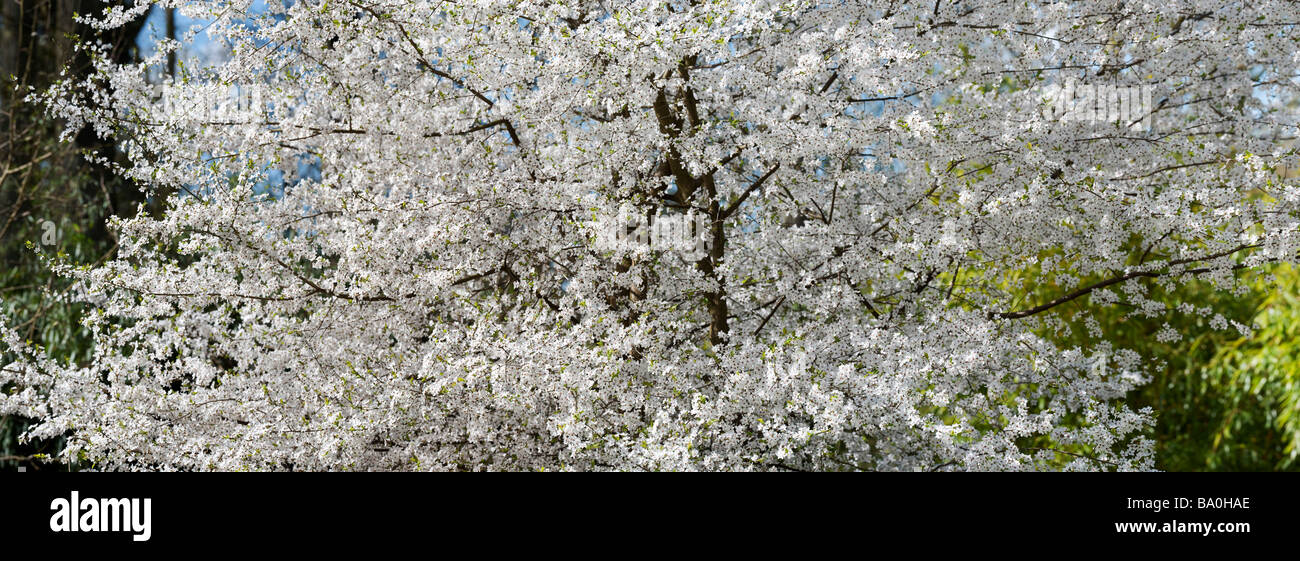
1253,386
1224,402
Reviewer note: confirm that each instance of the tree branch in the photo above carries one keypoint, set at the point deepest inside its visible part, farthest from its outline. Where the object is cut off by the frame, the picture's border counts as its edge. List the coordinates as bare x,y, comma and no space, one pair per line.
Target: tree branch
1115,280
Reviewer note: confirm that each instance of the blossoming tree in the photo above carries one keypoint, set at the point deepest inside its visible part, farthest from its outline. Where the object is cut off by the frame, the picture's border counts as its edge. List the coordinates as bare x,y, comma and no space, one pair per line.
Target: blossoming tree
382,254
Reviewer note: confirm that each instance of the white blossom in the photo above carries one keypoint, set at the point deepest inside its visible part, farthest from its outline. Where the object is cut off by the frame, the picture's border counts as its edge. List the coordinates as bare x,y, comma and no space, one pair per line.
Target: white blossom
423,291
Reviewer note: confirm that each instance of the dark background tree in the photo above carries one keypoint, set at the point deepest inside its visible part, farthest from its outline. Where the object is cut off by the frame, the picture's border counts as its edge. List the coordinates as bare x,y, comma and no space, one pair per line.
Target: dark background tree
51,198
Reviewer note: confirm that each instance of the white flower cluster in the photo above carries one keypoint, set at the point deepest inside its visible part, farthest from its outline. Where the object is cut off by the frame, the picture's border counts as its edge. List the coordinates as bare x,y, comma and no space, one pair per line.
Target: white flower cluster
383,264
